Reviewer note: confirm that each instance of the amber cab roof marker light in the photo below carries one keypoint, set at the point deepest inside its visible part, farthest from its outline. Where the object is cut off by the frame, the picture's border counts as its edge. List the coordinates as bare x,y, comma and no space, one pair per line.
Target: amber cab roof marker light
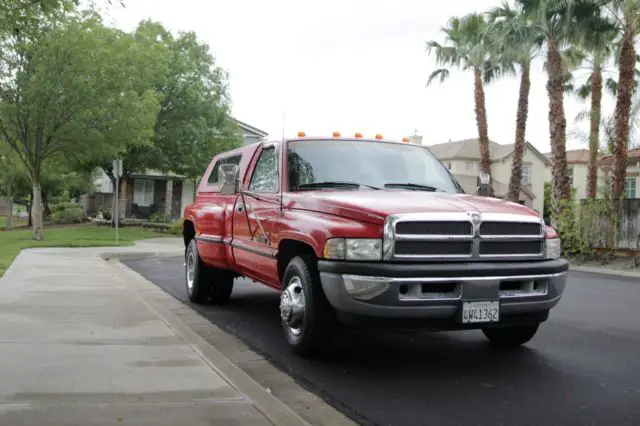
301,134
378,136
358,135
405,140
336,134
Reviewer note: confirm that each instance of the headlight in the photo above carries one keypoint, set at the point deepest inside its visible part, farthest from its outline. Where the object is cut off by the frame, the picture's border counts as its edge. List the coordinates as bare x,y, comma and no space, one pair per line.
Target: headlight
353,249
553,248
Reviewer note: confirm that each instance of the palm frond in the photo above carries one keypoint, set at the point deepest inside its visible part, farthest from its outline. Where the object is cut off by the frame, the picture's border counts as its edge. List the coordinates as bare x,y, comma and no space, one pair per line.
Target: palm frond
441,74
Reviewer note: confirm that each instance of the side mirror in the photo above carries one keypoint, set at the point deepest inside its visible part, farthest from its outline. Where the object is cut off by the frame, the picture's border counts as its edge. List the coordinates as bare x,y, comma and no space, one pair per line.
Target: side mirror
484,184
229,175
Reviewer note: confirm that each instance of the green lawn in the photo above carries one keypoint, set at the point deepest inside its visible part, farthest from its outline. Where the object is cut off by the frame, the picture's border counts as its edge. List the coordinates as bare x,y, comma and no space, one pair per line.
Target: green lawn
11,242
15,222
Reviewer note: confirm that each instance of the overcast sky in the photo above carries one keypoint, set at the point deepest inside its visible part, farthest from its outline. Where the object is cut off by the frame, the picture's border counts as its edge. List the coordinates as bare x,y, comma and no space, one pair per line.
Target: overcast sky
348,66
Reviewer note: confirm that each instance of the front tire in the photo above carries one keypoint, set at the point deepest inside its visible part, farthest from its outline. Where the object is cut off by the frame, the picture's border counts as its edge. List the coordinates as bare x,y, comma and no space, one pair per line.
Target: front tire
308,320
205,285
510,337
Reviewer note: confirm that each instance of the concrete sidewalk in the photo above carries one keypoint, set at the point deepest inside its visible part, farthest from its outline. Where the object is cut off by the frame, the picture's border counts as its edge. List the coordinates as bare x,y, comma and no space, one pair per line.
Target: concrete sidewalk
82,343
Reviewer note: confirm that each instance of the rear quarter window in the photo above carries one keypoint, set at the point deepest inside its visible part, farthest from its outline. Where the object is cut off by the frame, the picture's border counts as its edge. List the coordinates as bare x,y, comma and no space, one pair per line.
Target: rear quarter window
213,177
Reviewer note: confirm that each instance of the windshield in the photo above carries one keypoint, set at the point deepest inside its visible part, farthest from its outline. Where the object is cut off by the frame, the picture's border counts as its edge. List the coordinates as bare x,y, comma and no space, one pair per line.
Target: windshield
310,163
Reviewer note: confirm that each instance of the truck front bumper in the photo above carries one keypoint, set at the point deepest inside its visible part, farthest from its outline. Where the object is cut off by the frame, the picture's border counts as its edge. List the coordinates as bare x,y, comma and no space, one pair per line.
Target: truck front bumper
436,293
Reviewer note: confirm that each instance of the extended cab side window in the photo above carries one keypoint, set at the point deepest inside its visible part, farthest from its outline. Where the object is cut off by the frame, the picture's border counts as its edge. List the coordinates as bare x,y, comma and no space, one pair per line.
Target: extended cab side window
213,177
265,175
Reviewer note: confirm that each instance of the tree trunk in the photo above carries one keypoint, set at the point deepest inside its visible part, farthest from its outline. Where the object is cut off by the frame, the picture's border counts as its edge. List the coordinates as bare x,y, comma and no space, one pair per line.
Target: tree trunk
36,213
557,128
168,200
45,203
626,83
483,127
10,198
30,209
594,134
513,193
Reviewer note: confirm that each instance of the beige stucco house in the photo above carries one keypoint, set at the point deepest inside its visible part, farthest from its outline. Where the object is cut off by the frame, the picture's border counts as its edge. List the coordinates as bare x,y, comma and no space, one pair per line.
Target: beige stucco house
463,160
632,182
577,161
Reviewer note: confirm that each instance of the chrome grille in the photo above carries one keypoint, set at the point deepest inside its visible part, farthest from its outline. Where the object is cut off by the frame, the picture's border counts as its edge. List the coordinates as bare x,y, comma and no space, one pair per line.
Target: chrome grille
434,228
434,248
510,228
501,248
463,236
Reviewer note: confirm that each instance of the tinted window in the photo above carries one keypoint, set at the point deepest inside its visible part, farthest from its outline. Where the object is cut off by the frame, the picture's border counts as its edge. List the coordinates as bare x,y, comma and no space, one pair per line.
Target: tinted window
213,177
265,175
366,163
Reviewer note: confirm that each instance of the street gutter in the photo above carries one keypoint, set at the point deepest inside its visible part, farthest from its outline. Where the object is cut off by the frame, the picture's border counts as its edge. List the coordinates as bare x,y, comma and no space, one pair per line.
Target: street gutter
605,271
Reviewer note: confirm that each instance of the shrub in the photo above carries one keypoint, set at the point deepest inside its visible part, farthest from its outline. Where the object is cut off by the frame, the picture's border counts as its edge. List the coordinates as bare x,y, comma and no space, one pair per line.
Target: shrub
159,217
66,213
585,226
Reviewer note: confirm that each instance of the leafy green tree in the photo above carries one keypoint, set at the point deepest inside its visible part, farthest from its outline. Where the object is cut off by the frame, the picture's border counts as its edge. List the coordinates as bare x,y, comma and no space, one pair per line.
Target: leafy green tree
194,122
466,48
69,90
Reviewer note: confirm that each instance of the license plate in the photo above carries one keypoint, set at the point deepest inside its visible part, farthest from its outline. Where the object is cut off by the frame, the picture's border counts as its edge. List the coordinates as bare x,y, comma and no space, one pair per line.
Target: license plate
478,312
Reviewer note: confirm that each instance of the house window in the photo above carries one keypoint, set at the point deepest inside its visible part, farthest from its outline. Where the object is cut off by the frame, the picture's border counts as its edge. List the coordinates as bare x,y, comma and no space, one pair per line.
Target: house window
265,176
570,175
468,166
143,192
630,188
213,177
526,174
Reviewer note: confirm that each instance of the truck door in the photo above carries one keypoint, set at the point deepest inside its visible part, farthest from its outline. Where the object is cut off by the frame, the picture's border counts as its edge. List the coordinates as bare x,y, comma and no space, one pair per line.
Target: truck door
255,211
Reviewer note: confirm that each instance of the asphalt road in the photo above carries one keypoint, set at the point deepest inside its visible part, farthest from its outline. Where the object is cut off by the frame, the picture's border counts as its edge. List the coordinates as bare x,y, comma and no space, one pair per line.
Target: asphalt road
582,368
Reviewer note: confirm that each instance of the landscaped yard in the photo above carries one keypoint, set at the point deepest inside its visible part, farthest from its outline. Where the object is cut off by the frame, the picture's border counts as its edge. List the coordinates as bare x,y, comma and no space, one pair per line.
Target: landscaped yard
11,242
15,222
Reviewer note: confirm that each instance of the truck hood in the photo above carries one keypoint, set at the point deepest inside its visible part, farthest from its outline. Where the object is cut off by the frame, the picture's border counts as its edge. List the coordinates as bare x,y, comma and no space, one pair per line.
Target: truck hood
374,206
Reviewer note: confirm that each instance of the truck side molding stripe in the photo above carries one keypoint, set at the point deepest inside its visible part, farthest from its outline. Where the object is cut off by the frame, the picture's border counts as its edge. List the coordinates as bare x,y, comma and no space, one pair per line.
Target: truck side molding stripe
253,250
209,239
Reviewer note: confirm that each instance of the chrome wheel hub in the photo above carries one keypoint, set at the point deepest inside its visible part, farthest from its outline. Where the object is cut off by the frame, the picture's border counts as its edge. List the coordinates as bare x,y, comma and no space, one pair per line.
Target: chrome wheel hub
190,266
292,306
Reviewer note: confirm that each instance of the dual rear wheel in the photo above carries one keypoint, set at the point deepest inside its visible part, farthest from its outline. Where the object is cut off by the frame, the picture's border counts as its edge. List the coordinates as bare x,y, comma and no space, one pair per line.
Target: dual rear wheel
205,285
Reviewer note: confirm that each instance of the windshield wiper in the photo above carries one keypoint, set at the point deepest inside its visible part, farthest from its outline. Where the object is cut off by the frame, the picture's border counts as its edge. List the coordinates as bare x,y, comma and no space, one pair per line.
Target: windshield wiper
414,186
333,184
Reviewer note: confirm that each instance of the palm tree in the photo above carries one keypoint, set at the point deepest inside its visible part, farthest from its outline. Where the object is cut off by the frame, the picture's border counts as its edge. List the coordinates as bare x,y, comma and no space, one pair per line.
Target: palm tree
559,22
599,47
465,48
626,15
516,43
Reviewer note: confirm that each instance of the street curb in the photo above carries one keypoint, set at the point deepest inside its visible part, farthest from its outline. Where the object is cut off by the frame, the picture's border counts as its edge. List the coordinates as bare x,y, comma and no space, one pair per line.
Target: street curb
139,255
271,407
604,271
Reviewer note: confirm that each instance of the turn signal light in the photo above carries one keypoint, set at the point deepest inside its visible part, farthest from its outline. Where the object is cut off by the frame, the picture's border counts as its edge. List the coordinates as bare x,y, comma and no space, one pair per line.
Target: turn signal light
405,140
301,134
336,134
550,233
378,136
358,135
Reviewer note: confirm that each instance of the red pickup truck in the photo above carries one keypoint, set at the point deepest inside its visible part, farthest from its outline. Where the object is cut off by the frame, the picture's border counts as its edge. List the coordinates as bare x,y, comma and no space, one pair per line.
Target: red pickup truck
368,232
